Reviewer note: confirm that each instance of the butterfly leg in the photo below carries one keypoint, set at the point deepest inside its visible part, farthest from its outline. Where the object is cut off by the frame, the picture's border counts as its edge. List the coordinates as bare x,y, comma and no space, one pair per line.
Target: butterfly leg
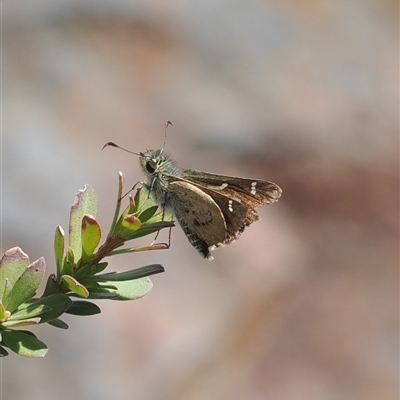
157,246
158,232
130,190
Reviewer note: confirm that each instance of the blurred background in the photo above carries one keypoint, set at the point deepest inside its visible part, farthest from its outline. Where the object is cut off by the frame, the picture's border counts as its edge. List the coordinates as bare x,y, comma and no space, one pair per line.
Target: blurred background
302,93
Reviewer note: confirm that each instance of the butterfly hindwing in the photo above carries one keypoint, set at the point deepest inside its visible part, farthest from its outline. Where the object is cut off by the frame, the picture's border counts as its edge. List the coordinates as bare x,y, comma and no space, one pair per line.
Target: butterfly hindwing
237,215
196,212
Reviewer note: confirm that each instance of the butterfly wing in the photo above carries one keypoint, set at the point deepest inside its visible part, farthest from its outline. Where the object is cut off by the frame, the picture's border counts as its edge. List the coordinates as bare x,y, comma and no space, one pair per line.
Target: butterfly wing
254,192
237,198
199,216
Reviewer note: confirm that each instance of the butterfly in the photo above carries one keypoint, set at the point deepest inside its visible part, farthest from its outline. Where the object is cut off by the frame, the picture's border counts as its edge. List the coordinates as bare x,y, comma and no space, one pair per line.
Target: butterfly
212,210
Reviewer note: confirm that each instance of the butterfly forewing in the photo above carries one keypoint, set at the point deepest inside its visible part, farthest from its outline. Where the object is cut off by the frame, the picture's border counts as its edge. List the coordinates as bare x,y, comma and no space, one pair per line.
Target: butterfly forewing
236,198
255,191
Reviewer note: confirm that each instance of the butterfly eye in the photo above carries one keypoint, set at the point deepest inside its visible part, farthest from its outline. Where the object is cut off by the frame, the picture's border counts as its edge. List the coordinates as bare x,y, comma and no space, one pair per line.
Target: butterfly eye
151,166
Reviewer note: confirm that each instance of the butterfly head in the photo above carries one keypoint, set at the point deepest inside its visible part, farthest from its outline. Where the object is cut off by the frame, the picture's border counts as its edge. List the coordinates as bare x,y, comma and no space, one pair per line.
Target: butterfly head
152,162
159,169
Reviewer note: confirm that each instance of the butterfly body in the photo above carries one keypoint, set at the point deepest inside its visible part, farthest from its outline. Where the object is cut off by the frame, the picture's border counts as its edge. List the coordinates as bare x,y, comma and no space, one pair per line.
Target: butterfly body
213,210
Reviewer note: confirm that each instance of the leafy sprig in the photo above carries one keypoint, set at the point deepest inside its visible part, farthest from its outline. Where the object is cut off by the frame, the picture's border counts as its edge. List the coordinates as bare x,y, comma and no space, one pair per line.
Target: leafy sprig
80,269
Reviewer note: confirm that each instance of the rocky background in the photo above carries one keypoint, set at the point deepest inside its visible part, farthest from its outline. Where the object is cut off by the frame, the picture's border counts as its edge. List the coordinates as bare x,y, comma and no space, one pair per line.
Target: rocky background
303,93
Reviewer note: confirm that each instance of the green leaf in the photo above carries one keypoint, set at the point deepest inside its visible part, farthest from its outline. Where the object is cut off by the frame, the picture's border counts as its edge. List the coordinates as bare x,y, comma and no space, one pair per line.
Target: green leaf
79,307
59,246
50,307
130,275
142,197
132,205
130,209
101,294
51,286
3,352
74,286
89,270
85,270
162,216
149,229
58,323
24,344
69,262
85,203
118,223
118,206
13,263
129,225
100,267
28,311
91,234
26,285
25,322
7,291
58,304
125,290
148,213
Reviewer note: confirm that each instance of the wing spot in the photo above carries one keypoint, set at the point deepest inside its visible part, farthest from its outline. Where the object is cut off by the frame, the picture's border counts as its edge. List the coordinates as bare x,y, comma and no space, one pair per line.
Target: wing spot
253,190
230,205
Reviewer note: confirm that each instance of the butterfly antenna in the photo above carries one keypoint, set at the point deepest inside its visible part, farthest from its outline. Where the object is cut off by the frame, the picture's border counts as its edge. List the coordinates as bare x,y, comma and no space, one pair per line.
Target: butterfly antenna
112,144
165,134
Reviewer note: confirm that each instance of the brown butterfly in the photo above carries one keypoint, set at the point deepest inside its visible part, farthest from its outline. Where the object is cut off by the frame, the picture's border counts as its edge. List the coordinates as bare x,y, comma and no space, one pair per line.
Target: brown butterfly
213,210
